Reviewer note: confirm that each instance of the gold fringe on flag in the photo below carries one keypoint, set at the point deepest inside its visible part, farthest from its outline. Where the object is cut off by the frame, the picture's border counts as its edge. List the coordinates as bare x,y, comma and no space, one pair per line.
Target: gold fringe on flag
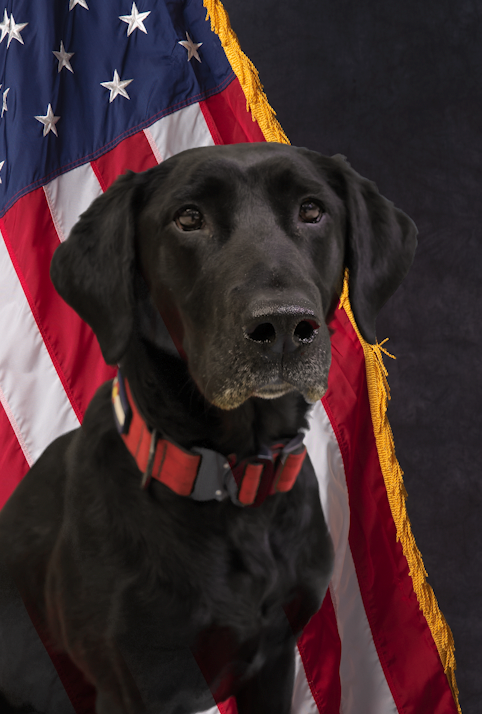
379,394
247,74
378,389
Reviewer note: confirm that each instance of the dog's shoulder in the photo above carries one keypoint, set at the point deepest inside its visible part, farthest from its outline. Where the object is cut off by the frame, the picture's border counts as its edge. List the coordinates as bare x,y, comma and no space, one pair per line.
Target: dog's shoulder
31,518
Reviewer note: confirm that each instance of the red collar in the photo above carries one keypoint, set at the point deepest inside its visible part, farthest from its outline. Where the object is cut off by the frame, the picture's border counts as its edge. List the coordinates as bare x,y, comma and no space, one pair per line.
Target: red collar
201,473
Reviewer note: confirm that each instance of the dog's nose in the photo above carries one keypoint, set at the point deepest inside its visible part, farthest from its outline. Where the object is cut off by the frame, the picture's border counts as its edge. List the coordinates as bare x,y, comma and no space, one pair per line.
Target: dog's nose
283,330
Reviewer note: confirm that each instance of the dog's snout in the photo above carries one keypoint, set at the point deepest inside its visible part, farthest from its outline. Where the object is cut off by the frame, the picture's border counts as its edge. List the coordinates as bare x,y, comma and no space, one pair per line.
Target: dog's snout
283,330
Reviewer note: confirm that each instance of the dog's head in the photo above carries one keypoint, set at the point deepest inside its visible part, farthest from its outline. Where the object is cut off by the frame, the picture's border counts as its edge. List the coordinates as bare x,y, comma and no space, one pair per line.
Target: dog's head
243,250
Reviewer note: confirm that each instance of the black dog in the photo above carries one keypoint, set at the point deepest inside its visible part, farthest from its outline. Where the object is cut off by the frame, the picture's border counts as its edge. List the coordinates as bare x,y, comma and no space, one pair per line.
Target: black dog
189,566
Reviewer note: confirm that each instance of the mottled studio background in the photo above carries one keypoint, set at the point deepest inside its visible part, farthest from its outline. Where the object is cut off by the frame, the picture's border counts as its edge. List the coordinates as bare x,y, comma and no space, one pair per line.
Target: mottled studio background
396,86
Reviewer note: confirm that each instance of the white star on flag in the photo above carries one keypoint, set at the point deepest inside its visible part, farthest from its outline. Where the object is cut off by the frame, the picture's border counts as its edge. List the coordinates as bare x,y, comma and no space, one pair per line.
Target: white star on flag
117,86
82,3
4,25
191,47
14,31
1,167
49,121
64,57
4,101
135,20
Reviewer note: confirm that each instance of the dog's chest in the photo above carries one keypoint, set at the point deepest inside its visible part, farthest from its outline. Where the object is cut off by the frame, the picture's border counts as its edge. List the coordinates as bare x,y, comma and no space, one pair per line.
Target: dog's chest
172,574
225,592
227,563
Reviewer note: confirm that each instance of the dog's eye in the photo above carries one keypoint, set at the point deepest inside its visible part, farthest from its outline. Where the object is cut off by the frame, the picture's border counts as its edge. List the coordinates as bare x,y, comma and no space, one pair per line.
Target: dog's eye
189,219
310,212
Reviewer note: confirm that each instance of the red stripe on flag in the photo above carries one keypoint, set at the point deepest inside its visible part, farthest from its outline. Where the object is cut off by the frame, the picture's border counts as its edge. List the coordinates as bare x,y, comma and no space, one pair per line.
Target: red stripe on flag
403,640
320,650
227,119
211,124
31,239
228,707
134,154
13,465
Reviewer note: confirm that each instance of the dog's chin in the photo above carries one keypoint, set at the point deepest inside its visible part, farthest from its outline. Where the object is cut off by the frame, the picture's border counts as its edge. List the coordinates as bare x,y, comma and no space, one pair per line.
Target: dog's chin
233,397
273,391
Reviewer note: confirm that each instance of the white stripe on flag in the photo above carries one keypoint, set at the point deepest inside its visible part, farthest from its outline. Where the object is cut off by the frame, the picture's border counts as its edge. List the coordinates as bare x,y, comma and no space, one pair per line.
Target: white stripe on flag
69,195
302,702
182,130
363,684
33,396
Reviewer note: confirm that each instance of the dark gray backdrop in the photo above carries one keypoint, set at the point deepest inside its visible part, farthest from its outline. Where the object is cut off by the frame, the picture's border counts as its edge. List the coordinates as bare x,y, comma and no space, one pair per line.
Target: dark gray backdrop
396,87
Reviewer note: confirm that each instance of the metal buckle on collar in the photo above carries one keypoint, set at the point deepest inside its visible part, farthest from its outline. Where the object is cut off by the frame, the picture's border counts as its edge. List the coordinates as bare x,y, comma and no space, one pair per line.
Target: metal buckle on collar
214,477
212,480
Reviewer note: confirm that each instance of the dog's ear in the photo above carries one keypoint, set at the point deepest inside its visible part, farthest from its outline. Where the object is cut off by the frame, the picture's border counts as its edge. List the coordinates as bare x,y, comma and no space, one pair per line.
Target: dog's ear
93,270
380,247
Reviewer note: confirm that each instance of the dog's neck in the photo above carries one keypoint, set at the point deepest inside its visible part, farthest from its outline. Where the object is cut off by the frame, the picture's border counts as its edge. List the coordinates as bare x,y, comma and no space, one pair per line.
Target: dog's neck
170,402
204,474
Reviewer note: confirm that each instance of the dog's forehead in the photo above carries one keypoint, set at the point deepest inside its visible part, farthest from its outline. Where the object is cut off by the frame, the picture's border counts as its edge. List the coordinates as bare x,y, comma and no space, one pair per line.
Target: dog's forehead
241,154
275,165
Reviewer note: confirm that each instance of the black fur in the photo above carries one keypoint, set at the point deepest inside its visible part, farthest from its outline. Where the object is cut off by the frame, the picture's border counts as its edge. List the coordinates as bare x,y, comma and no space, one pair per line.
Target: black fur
153,595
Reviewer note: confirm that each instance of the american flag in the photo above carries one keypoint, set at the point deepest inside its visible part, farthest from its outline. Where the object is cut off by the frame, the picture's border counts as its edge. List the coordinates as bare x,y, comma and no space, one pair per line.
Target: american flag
89,89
